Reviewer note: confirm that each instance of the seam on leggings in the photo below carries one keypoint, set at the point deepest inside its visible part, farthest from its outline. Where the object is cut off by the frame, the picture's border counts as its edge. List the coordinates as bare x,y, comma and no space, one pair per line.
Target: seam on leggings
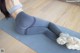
31,25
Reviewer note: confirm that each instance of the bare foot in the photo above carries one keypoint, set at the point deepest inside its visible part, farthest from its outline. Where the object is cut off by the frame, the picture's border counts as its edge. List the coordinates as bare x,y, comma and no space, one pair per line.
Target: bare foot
12,3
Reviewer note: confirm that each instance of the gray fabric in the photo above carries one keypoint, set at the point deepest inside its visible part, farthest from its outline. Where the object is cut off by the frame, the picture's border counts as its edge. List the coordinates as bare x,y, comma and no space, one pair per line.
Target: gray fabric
38,42
15,8
26,24
22,23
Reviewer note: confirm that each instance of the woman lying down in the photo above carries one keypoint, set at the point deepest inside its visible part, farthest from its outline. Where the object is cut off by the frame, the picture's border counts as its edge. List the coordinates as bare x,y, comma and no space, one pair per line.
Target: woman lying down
26,24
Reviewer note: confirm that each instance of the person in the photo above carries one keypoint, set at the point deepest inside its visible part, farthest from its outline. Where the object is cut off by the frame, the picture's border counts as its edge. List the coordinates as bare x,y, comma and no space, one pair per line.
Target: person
26,24
29,25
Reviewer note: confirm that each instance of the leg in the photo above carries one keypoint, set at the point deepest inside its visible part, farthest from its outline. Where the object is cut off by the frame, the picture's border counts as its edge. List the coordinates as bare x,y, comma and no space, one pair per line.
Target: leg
26,24
50,35
52,27
23,22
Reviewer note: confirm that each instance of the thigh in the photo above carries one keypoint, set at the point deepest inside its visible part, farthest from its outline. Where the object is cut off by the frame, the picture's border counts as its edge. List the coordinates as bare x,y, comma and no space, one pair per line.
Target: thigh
36,30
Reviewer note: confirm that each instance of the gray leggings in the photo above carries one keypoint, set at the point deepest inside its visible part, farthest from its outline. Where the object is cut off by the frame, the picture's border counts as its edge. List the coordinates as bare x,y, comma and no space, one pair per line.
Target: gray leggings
29,25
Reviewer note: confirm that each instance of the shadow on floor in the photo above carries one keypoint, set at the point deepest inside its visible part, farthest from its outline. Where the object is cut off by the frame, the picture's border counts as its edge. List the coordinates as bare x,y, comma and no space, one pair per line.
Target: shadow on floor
77,2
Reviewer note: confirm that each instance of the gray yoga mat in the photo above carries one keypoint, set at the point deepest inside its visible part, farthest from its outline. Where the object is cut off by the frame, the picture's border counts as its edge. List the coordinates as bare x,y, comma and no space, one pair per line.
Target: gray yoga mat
39,42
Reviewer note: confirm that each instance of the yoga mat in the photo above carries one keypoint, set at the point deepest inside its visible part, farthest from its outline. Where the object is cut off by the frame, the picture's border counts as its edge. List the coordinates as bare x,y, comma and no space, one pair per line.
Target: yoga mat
39,42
